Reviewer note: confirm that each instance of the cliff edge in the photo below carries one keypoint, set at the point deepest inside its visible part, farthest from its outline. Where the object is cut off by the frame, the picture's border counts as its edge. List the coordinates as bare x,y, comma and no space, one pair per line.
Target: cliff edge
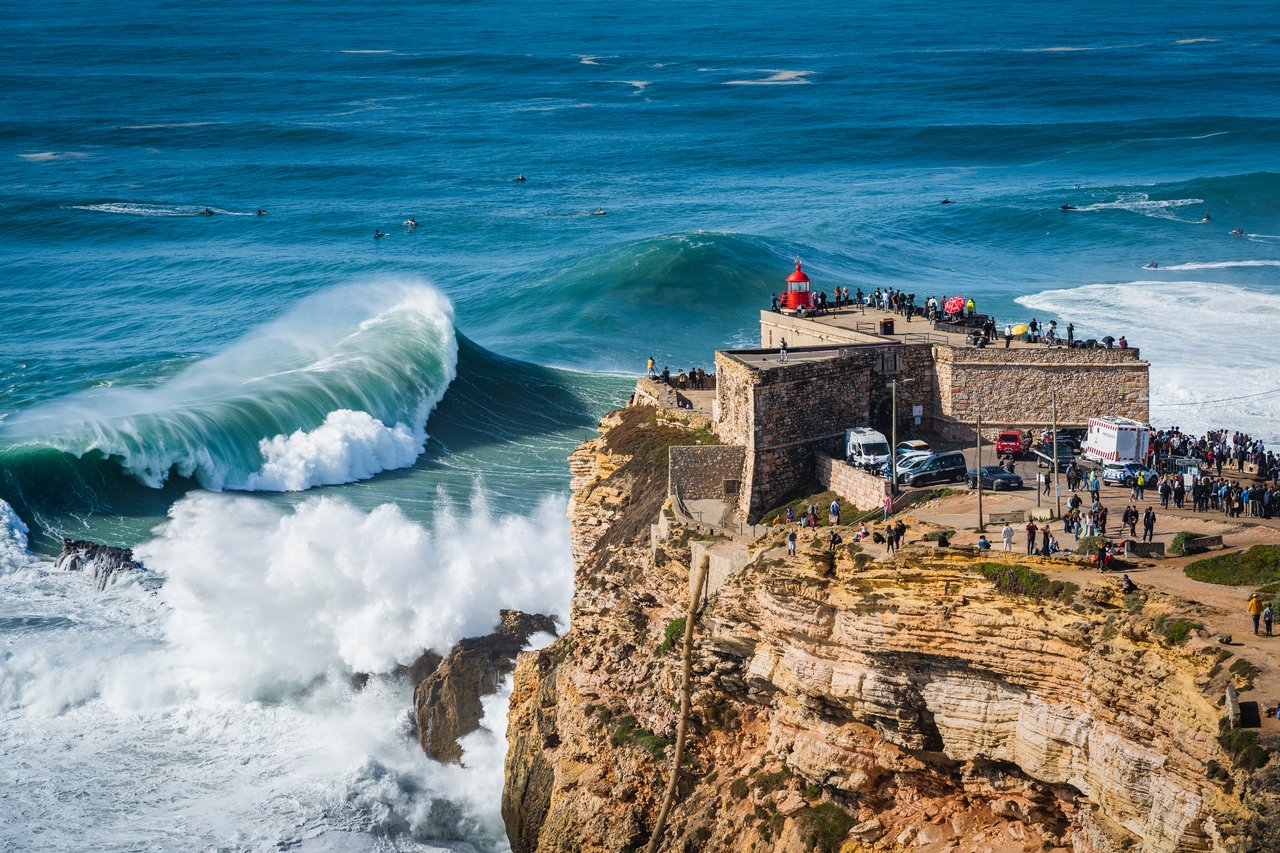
937,703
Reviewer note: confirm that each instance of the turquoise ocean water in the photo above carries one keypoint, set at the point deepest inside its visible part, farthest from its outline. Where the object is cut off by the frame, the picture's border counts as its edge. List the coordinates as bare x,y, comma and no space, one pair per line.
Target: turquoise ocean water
336,450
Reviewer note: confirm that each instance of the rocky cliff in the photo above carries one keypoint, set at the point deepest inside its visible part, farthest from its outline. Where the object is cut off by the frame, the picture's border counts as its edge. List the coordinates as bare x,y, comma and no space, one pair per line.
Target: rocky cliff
931,704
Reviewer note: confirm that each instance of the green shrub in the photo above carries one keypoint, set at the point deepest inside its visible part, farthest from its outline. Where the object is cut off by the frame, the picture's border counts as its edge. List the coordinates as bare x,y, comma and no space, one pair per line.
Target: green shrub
1133,602
1243,748
811,792
1023,581
1256,566
629,732
673,634
824,827
739,787
1176,631
935,535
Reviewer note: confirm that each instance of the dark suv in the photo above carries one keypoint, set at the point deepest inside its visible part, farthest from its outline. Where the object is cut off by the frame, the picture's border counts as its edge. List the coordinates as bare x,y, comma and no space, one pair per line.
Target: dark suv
942,468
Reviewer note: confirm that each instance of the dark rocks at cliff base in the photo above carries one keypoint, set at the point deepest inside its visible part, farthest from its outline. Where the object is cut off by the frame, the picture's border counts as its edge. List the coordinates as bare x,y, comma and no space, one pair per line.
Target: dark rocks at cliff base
106,561
447,699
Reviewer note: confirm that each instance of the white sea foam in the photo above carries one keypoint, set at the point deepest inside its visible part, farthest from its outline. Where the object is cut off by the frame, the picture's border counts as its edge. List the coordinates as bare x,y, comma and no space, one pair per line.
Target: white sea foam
589,58
13,540
219,713
347,447
1220,265
640,85
1196,41
366,51
128,208
1205,341
49,156
1141,203
776,78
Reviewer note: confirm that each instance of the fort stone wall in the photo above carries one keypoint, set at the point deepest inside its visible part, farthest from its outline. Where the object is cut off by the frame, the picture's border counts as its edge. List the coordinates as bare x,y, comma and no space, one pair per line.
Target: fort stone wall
705,471
1017,387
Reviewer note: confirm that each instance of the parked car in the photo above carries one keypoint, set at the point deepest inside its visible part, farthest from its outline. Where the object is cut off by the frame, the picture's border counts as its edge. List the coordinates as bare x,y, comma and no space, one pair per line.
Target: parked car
906,463
1012,442
1044,456
1073,436
911,446
939,468
1126,474
995,478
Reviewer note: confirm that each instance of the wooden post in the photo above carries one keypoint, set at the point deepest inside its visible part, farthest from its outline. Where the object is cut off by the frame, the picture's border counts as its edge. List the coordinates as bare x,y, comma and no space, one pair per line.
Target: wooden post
981,524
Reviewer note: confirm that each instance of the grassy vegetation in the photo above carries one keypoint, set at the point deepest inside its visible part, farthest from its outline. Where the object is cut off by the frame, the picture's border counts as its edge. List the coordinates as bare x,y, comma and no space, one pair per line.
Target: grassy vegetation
673,634
1257,566
629,731
646,438
824,827
1133,602
935,535
849,514
1176,631
1022,581
1243,748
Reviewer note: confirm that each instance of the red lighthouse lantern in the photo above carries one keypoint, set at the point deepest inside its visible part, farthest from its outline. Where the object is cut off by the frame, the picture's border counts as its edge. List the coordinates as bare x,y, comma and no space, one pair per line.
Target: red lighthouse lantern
797,294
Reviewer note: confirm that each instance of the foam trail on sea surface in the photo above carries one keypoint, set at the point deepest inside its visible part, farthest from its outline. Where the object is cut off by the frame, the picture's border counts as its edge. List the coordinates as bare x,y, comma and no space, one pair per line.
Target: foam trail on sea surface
1210,346
1220,265
227,697
335,390
1141,203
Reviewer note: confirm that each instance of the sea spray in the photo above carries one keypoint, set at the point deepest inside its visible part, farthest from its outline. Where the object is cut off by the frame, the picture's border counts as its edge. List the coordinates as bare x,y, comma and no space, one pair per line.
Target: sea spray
227,697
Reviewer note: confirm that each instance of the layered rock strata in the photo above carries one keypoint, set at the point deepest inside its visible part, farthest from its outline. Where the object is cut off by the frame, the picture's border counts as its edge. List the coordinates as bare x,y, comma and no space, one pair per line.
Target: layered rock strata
919,705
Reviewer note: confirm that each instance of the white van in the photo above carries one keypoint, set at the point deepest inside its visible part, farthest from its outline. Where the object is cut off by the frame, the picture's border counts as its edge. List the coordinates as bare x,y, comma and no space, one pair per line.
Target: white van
866,448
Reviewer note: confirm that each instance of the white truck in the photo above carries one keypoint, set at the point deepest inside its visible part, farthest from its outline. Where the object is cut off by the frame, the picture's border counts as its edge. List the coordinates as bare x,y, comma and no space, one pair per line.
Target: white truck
866,448
1115,439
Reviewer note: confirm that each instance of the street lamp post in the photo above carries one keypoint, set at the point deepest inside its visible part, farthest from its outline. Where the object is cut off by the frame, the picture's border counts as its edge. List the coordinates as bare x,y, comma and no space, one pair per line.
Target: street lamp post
893,450
1057,493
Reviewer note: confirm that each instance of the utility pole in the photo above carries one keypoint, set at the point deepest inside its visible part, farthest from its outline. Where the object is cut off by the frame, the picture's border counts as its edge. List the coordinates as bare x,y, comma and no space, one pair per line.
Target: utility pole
1057,494
981,524
893,441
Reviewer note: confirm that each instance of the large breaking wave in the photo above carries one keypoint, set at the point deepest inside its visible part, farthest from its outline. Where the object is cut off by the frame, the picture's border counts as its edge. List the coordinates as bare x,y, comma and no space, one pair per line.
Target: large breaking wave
336,390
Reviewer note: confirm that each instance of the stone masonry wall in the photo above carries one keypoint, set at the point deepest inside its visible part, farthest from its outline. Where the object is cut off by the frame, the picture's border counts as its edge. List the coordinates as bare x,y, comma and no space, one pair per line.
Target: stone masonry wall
700,471
1015,387
783,414
861,488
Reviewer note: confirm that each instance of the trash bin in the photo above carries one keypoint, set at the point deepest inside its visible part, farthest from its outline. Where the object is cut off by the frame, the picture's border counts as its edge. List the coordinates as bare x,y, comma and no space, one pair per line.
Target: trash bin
886,325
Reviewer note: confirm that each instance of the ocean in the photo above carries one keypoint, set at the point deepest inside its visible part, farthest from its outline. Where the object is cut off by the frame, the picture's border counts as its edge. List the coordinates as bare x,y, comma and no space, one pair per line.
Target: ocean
333,451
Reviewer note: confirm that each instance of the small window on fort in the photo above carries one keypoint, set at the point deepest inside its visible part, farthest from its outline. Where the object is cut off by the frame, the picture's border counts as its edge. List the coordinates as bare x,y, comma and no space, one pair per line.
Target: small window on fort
888,363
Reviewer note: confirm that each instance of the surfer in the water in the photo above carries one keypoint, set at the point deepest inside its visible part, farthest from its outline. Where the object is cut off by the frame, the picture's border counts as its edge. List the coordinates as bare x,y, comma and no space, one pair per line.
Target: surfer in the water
411,223
1153,265
1065,207
206,212
377,234
261,212
1205,218
520,177
946,201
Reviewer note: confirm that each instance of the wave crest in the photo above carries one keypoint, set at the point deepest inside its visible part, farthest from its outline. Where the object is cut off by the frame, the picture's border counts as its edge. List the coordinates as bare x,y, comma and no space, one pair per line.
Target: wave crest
303,400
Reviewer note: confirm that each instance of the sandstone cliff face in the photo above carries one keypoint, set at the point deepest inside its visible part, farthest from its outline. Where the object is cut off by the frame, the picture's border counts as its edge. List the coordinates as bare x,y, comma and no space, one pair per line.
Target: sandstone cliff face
910,707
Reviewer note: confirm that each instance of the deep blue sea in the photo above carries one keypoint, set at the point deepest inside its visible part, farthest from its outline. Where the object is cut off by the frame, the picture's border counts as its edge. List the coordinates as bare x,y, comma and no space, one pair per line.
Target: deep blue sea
334,450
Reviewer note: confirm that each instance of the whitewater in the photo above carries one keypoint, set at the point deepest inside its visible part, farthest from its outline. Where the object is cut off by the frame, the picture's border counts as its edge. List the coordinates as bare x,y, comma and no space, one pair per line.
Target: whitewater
333,451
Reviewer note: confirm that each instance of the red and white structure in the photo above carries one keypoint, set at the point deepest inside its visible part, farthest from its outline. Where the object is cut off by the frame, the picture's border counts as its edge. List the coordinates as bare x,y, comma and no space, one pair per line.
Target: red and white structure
1114,439
797,295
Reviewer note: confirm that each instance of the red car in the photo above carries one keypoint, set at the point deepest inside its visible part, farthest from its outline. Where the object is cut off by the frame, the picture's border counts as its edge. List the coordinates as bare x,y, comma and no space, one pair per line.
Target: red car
1012,442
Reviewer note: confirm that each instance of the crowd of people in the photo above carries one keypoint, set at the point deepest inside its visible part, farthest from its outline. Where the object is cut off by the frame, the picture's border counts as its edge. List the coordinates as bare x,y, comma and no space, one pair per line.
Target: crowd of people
696,379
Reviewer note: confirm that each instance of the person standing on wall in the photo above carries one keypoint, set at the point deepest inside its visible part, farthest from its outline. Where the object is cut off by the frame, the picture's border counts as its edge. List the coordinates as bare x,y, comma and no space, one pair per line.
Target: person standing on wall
782,350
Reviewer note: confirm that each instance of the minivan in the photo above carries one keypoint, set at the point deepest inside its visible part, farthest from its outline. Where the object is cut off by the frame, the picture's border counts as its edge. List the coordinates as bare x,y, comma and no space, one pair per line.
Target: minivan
940,468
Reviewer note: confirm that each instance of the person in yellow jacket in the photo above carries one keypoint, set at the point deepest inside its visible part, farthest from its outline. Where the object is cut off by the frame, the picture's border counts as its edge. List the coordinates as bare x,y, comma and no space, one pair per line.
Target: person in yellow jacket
1255,610
970,307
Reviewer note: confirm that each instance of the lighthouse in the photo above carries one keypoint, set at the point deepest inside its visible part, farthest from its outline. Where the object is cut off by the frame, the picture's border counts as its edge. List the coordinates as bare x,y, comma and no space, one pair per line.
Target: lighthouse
797,294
